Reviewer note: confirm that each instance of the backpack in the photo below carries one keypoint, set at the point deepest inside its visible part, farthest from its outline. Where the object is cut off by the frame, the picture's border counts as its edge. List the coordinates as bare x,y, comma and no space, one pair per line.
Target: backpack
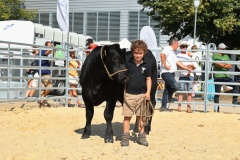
211,88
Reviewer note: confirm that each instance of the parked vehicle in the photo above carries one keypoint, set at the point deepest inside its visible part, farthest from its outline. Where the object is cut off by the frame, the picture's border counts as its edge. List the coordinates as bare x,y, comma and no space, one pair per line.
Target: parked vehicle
29,34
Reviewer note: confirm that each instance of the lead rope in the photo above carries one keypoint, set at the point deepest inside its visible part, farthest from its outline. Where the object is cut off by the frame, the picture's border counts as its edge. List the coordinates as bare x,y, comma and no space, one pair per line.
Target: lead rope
145,112
109,75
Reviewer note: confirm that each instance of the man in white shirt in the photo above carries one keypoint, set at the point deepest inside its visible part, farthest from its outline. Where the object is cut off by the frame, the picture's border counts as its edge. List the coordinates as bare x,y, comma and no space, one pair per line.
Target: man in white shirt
169,63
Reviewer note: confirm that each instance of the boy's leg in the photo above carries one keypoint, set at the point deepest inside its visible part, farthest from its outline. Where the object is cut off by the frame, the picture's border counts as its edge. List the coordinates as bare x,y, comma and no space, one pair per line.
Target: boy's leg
142,140
126,134
126,124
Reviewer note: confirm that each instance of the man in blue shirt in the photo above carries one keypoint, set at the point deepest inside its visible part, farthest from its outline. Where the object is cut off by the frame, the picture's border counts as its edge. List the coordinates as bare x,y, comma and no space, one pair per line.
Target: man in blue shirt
45,74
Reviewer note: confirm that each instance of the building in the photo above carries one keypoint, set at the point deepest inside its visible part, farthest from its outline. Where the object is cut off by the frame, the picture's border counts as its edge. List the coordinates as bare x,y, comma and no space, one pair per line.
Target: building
105,20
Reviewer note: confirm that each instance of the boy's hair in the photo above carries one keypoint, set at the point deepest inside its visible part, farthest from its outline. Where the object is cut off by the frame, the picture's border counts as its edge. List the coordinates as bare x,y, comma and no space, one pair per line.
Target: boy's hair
140,45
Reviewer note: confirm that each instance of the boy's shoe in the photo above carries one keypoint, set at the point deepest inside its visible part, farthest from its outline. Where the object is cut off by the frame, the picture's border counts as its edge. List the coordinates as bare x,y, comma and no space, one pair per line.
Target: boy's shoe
125,139
142,139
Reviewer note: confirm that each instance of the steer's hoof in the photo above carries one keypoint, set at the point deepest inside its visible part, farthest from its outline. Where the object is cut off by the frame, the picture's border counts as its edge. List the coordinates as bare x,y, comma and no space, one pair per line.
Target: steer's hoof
108,140
85,136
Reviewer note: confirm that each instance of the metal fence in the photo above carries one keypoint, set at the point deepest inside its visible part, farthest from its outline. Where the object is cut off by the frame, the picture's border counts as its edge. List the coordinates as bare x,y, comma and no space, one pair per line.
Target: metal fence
15,60
16,57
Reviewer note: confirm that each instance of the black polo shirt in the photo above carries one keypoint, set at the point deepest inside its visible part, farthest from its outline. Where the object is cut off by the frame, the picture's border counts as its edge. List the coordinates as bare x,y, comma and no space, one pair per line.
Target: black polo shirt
136,83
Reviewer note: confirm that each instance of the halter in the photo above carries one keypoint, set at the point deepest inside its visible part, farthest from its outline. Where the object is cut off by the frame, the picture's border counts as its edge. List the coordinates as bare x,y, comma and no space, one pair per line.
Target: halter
109,75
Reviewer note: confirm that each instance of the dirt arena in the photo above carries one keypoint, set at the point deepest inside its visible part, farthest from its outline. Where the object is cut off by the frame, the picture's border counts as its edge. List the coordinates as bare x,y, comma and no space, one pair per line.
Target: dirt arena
30,133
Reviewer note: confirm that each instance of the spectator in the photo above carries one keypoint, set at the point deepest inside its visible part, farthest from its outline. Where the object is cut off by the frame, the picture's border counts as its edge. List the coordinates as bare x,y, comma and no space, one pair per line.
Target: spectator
32,73
223,77
169,63
45,74
138,88
185,76
237,70
90,45
73,64
193,54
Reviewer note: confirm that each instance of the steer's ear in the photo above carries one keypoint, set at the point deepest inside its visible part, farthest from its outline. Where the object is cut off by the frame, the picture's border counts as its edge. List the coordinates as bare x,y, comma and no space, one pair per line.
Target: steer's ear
123,52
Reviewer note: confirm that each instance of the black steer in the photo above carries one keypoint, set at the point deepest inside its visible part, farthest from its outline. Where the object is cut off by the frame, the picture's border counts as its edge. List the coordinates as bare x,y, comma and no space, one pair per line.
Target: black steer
102,76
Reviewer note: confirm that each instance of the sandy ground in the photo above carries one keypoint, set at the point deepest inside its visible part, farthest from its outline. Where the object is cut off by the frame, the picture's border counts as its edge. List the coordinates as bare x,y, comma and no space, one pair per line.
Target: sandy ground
30,133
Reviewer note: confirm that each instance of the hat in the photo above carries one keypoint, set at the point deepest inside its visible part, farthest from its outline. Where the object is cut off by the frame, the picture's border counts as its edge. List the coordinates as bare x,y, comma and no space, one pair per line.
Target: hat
89,41
183,43
222,46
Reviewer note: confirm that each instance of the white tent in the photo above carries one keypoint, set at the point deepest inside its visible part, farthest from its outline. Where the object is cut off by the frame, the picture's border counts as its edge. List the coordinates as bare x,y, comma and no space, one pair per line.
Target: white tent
124,43
190,40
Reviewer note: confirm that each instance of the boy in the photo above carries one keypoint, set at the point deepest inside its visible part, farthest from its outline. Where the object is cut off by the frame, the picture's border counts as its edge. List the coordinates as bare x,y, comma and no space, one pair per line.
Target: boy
138,88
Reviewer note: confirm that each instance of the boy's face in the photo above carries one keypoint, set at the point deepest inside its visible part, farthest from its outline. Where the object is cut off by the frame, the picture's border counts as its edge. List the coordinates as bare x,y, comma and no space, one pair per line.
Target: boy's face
138,54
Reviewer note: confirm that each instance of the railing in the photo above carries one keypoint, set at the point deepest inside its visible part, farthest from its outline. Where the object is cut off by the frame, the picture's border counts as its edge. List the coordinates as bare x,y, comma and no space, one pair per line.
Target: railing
15,60
207,62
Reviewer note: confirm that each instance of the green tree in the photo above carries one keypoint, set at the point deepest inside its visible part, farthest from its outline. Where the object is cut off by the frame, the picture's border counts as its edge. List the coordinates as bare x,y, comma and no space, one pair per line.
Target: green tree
15,10
217,20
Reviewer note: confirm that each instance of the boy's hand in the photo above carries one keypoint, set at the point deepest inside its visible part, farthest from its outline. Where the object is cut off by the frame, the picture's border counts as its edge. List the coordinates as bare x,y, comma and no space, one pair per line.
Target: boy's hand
147,95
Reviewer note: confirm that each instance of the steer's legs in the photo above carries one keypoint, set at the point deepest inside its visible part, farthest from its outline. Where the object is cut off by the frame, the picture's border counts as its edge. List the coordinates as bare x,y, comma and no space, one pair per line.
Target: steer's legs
108,115
89,116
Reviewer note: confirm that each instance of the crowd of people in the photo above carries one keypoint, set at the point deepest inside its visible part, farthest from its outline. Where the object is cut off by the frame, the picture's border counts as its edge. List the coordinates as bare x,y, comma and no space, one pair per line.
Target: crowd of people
46,81
170,63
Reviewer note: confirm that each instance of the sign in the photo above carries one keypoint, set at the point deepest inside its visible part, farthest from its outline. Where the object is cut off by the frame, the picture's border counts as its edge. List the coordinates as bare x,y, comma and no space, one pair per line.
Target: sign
148,36
59,54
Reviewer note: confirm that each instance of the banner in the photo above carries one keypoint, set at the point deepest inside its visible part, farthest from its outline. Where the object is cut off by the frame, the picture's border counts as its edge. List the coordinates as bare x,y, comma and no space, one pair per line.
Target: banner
59,54
148,36
63,14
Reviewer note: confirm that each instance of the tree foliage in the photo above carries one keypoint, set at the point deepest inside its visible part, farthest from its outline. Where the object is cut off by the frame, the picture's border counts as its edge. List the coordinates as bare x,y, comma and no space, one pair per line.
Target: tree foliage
15,10
217,20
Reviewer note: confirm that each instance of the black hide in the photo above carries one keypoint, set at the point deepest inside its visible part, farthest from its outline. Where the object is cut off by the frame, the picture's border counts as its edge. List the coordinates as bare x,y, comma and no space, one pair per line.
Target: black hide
97,87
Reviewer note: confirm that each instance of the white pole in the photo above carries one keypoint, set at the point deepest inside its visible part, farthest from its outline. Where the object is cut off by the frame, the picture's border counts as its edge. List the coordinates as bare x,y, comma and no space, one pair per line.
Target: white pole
195,26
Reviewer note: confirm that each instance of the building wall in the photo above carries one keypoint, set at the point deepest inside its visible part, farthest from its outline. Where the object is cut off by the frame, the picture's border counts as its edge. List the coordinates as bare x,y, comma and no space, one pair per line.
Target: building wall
44,7
85,5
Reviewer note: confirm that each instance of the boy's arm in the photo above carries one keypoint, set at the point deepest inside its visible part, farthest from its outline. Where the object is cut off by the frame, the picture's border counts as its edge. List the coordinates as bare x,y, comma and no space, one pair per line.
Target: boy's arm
149,86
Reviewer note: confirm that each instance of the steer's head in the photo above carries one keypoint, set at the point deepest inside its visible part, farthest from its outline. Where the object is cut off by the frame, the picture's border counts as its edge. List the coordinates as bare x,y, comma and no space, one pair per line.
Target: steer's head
114,60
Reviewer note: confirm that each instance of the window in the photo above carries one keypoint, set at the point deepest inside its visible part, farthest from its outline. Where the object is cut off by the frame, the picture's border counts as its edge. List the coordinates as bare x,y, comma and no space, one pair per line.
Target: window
104,26
92,25
44,19
137,20
78,23
133,27
114,27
